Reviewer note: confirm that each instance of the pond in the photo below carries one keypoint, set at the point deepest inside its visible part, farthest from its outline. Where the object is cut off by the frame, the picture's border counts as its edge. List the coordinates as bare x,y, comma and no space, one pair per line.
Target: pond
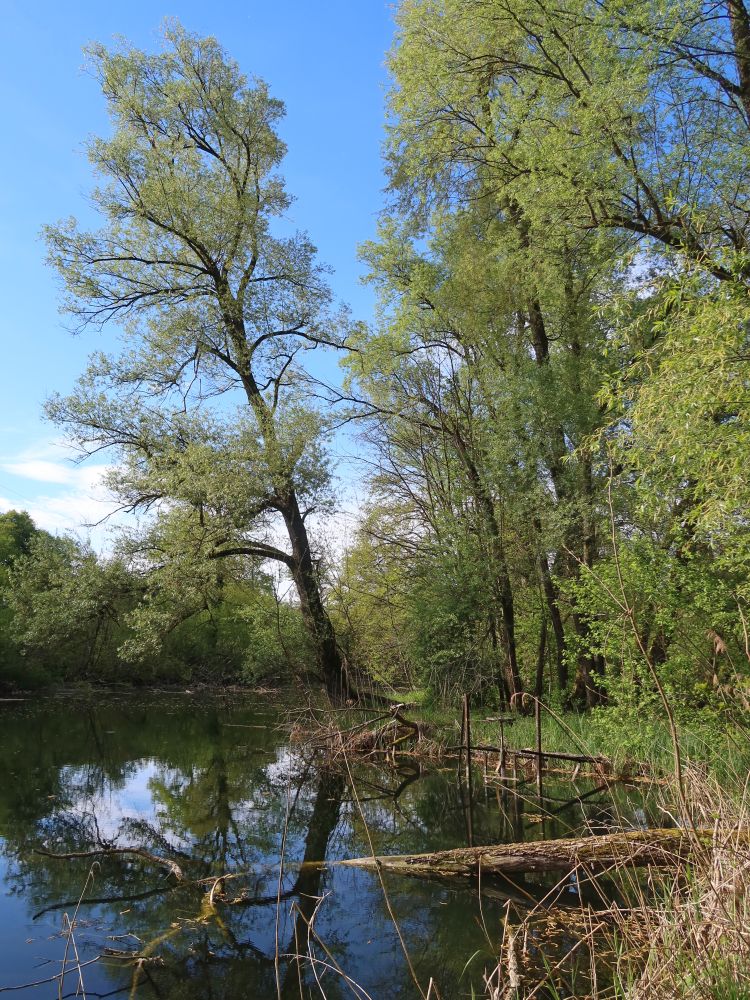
212,783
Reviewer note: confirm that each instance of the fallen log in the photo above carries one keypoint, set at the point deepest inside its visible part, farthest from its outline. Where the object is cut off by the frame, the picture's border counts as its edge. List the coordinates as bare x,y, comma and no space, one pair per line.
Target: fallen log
171,866
578,758
663,848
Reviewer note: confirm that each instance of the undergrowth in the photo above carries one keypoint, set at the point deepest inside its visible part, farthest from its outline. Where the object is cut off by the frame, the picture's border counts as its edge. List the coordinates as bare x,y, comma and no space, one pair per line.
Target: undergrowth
632,740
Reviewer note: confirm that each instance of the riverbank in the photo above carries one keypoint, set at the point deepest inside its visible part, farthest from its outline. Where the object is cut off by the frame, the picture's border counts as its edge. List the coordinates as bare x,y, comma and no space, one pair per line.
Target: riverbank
683,935
632,744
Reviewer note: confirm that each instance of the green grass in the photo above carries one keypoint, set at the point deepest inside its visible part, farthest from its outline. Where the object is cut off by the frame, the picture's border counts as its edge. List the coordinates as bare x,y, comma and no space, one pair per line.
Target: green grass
631,740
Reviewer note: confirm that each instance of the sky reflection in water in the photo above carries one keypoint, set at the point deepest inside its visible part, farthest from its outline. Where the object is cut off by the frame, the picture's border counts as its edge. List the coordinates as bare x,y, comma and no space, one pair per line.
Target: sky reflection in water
208,782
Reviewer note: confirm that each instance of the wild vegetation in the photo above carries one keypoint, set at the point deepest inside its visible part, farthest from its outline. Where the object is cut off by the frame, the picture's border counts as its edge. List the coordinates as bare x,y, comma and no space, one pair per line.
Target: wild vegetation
71,616
557,384
553,395
552,401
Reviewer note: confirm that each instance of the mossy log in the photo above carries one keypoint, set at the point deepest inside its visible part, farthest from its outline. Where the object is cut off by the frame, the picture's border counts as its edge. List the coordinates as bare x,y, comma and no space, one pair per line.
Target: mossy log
661,848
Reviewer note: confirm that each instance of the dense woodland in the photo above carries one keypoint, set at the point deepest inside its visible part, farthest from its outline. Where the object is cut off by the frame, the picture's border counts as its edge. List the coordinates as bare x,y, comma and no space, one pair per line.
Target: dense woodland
551,403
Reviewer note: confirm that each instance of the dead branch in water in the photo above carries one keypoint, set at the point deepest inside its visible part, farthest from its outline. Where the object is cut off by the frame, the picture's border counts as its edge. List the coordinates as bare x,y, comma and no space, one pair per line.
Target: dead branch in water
386,734
172,867
663,848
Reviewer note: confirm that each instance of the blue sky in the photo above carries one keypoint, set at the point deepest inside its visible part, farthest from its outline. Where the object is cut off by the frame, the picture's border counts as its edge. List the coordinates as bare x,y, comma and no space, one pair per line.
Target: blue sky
324,59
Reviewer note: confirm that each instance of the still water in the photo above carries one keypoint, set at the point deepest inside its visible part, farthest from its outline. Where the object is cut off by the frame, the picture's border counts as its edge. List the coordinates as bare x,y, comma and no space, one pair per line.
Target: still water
212,784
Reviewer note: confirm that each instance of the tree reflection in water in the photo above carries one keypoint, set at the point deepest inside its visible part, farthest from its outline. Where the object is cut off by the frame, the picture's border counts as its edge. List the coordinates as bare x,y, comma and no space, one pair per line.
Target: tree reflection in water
213,785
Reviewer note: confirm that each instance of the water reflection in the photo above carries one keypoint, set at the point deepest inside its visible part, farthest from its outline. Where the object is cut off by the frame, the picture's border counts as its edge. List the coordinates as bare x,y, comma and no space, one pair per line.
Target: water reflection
212,785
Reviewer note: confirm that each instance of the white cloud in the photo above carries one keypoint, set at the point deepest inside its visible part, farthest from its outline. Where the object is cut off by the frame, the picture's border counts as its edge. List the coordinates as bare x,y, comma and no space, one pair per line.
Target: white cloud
51,472
63,497
72,513
60,495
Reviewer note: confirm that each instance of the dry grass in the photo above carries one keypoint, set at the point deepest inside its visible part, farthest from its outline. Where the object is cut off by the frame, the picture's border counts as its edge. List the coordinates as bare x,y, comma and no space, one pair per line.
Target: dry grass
700,934
686,934
383,736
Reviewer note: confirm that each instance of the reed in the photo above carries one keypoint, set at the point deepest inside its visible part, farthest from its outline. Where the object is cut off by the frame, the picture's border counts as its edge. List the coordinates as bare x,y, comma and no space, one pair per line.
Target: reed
685,934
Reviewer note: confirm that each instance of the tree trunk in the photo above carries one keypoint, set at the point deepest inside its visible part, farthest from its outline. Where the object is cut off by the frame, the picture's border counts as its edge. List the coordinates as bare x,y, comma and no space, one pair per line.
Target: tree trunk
550,597
540,658
739,21
328,656
501,585
502,680
329,660
660,848
587,688
581,536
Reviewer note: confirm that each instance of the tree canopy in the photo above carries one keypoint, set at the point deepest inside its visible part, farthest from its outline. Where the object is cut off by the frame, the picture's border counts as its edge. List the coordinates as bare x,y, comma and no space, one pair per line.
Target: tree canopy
552,397
206,403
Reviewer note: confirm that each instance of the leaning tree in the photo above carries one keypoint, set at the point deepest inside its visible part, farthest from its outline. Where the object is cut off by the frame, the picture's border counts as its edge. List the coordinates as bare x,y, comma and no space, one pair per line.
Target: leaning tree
218,304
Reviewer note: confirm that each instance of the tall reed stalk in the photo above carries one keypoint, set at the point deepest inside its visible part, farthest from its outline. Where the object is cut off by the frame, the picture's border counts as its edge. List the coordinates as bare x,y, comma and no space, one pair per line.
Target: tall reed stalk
684,936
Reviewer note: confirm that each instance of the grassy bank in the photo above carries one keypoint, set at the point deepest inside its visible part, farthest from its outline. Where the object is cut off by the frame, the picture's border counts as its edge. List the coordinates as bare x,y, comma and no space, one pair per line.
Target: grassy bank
681,933
631,740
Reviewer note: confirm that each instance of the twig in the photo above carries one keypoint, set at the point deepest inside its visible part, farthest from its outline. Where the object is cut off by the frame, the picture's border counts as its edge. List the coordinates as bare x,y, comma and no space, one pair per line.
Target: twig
172,867
43,982
386,898
71,938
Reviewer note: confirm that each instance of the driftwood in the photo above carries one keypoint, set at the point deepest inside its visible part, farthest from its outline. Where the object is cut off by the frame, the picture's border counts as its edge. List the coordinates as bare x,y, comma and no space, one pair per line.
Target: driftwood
660,848
171,866
385,733
527,752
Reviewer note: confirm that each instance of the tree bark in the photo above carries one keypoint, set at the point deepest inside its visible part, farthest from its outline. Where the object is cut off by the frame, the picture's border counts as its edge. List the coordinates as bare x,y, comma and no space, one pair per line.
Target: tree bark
501,583
740,25
540,658
660,848
328,656
329,660
550,596
581,536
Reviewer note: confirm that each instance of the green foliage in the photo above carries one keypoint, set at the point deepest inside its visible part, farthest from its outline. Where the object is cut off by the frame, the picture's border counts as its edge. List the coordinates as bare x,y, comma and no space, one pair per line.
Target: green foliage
674,611
370,606
557,377
686,403
65,605
211,299
247,637
68,615
450,626
628,120
16,533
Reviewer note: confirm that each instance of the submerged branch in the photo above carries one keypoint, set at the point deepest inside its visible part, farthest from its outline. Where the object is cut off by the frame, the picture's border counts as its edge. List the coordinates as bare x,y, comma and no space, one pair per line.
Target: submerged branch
172,867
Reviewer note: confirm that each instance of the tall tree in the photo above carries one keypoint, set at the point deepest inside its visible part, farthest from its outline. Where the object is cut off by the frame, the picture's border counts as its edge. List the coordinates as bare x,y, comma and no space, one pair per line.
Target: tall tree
609,145
630,118
501,367
215,300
